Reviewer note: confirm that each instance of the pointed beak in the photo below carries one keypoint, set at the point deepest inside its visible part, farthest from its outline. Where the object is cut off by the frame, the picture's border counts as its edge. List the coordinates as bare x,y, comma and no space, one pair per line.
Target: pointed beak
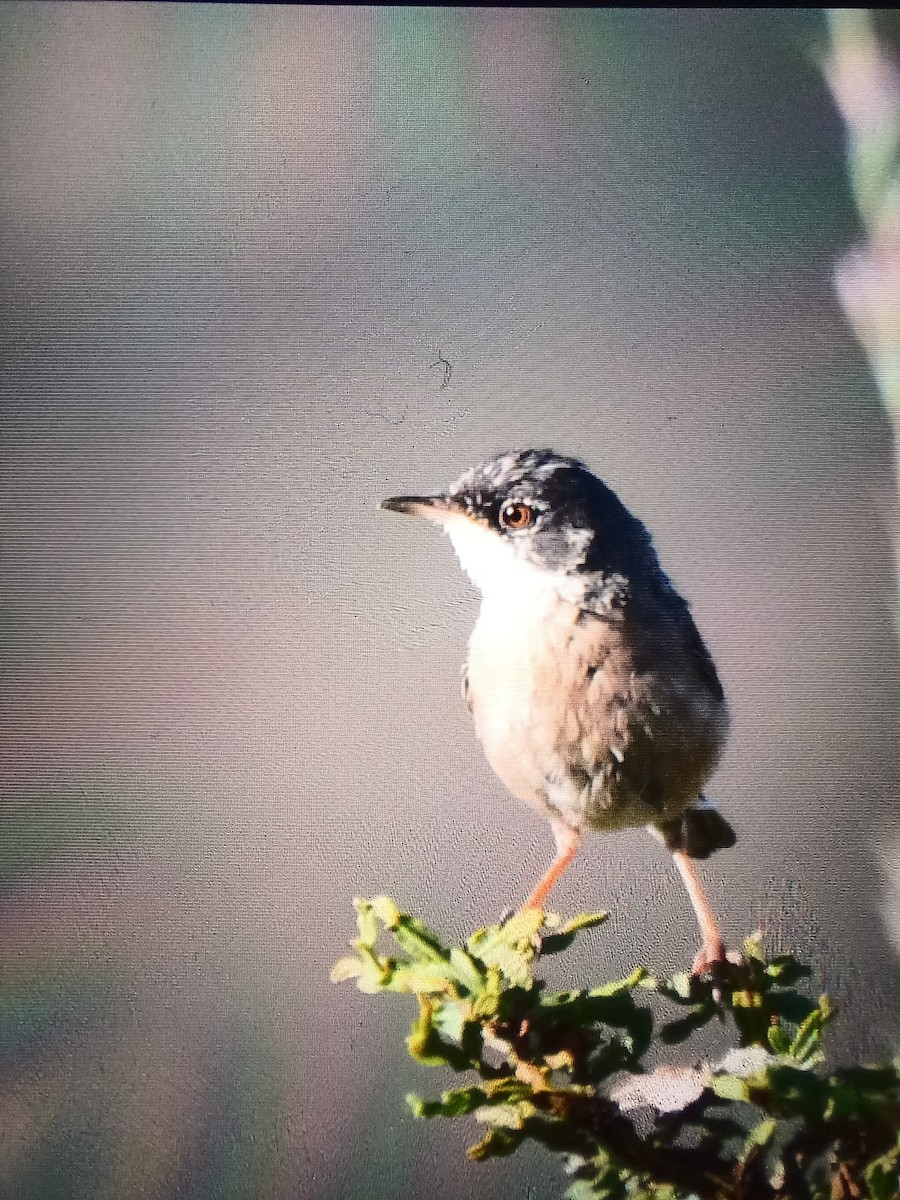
432,508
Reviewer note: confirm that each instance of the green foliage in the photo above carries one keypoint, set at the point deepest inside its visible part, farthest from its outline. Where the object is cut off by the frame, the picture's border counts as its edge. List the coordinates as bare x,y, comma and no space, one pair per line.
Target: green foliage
567,1069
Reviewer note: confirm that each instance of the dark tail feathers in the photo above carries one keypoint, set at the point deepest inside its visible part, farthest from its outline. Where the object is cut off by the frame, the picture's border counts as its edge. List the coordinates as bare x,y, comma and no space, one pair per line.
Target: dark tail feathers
699,831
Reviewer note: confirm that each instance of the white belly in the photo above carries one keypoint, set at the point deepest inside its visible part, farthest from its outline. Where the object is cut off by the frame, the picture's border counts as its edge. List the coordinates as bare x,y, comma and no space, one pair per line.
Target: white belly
512,678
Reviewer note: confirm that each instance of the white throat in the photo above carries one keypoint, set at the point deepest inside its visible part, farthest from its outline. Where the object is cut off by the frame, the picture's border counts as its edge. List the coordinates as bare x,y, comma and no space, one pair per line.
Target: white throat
499,573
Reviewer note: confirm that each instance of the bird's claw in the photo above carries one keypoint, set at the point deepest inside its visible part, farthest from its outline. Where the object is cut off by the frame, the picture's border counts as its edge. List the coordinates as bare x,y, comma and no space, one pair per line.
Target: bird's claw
537,939
713,958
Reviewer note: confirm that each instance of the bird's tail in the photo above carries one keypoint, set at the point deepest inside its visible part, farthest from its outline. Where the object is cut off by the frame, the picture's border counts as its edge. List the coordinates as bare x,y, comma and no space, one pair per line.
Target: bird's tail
699,831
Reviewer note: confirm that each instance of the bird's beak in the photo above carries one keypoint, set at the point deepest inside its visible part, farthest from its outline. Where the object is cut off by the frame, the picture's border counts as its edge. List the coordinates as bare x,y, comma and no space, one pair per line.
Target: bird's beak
432,508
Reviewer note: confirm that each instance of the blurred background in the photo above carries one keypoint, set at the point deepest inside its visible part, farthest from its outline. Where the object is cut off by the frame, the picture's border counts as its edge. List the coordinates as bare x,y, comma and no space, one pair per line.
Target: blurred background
235,241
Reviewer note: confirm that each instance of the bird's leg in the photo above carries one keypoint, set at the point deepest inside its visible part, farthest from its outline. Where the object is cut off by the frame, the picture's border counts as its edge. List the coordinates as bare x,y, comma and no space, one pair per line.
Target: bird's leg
567,842
713,949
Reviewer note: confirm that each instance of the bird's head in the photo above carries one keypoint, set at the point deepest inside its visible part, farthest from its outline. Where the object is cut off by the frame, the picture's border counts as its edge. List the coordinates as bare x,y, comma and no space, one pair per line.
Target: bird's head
533,517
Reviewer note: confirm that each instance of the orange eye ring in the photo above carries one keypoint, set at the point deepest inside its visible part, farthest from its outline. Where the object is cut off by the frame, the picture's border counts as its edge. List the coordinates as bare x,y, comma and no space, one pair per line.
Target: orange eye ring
515,514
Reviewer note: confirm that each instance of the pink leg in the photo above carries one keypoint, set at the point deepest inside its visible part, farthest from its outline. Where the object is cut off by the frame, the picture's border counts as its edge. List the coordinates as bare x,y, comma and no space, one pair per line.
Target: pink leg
567,842
713,948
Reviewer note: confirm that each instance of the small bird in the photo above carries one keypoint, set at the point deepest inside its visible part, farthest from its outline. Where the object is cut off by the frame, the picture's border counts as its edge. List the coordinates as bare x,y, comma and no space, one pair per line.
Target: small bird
594,697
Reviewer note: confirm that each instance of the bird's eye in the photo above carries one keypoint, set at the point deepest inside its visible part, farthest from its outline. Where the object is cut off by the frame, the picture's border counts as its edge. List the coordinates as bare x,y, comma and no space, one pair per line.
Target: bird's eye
515,514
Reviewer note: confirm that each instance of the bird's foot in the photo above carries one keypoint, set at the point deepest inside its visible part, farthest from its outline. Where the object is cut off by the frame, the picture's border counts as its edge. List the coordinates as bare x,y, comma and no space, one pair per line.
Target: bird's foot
548,918
507,915
712,957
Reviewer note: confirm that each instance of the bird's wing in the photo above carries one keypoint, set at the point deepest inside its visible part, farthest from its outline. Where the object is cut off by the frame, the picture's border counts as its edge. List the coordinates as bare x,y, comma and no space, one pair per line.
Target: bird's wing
702,659
694,645
646,715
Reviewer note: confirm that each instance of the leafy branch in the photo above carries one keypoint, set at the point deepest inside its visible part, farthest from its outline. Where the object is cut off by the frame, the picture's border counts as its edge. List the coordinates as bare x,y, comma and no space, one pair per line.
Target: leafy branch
567,1069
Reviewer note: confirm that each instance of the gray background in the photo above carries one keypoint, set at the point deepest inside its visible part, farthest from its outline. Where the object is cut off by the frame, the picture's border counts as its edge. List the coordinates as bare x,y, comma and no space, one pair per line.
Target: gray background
233,240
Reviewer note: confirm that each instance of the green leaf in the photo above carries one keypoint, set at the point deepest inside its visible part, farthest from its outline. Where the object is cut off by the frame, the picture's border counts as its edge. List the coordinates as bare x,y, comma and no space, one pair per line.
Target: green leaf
417,979
469,973
420,1107
455,1103
418,941
779,1041
366,922
760,1135
506,1115
627,984
753,949
883,1174
346,968
584,921
374,971
481,1010
730,1087
746,998
487,1003
682,984
507,1088
371,983
449,1018
561,1000
386,911
519,930
426,1045
562,938
809,1035
510,947
497,1142
786,970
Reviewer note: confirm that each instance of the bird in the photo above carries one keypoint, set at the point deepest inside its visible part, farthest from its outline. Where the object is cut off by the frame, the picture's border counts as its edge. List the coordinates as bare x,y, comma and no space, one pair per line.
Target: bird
593,694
